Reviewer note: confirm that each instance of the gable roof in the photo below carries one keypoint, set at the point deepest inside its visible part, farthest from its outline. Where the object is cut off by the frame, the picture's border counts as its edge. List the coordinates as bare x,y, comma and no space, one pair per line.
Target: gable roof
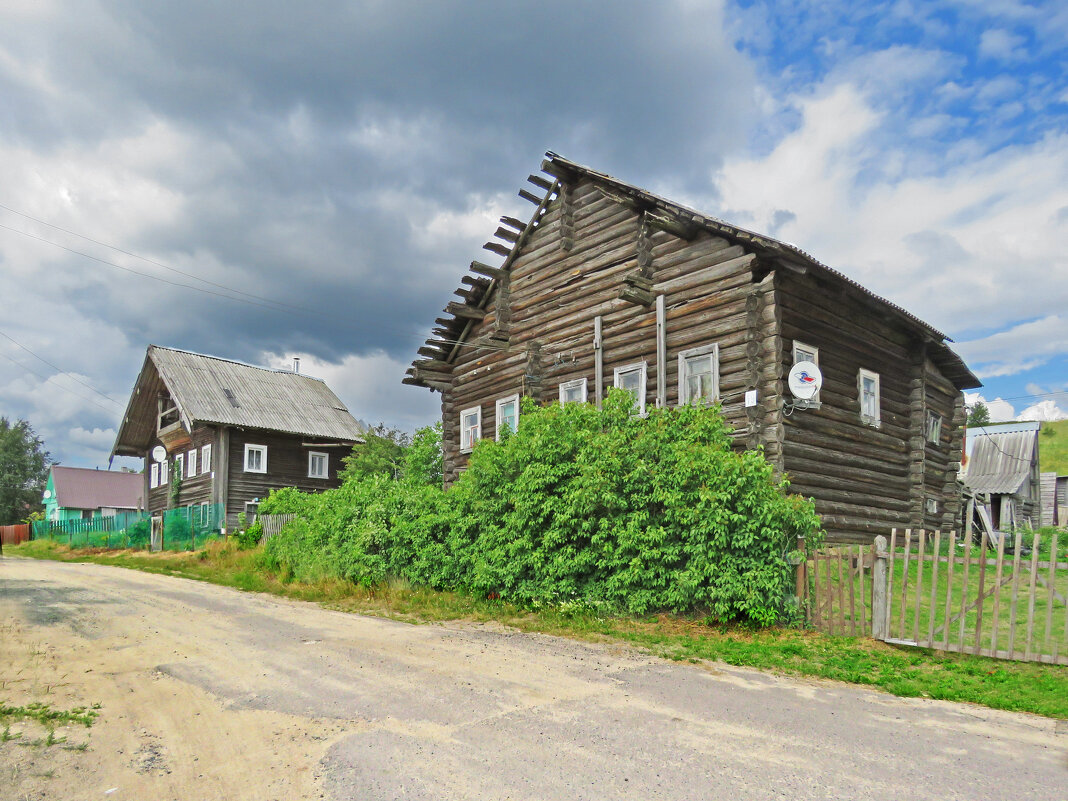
1001,459
673,216
214,391
82,488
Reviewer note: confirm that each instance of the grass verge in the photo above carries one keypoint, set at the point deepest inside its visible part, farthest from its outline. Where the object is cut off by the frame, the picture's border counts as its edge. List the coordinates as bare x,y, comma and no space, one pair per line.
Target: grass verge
1015,686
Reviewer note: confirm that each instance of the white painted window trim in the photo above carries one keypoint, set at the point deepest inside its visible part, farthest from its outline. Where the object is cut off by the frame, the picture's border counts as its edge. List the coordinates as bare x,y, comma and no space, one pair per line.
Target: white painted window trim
497,412
153,476
179,462
933,415
191,463
262,449
876,419
814,401
465,445
205,459
643,369
704,350
578,382
164,472
326,464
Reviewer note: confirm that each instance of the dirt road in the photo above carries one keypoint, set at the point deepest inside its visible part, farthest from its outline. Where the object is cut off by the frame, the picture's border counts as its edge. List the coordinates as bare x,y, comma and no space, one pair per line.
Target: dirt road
209,693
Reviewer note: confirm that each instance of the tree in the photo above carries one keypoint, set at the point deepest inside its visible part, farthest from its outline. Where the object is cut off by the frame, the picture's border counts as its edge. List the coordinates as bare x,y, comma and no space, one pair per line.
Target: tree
978,415
381,454
24,467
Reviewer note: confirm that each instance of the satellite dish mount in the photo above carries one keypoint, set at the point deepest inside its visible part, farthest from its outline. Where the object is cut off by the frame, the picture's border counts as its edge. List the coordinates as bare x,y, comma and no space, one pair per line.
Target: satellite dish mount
805,380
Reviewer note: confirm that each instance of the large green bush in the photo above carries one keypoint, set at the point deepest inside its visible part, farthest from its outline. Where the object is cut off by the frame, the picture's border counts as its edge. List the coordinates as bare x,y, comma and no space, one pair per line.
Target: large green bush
582,506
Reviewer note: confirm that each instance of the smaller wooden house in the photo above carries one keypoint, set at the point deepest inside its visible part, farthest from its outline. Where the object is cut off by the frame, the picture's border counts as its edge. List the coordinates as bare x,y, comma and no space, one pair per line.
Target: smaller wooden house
79,493
231,431
1001,476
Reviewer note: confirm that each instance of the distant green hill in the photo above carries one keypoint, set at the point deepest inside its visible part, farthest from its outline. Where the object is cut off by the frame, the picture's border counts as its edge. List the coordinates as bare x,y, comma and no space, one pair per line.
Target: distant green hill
1053,448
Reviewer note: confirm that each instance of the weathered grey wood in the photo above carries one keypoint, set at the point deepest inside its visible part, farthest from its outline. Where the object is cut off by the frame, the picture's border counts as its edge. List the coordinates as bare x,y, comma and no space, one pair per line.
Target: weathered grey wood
997,593
880,583
933,600
852,595
485,269
964,590
496,247
1015,594
465,311
523,193
982,587
1032,592
1052,592
949,588
919,584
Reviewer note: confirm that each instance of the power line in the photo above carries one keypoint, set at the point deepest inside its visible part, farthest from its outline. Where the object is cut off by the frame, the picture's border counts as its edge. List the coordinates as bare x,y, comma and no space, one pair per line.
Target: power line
149,275
61,370
147,259
65,389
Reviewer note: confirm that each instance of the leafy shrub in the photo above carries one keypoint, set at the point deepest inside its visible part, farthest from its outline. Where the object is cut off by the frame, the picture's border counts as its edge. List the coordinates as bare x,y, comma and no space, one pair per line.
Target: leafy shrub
581,507
138,534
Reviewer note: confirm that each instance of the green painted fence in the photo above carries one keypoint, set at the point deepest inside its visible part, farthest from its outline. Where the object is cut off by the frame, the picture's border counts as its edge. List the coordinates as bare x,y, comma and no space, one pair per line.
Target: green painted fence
184,529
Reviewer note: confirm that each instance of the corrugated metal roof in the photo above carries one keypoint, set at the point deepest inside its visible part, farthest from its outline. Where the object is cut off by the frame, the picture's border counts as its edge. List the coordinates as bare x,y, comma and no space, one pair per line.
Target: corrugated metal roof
82,488
214,391
1001,462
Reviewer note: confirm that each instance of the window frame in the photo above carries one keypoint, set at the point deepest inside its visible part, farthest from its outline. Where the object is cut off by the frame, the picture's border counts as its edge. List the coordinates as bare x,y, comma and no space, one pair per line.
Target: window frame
875,421
643,370
179,461
326,464
814,401
164,472
191,463
465,445
936,429
153,476
262,449
513,398
578,382
205,459
690,353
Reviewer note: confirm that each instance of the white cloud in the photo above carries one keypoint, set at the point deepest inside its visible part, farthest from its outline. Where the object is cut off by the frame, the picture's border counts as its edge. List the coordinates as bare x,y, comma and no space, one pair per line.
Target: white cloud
1019,348
1046,411
1001,44
1001,411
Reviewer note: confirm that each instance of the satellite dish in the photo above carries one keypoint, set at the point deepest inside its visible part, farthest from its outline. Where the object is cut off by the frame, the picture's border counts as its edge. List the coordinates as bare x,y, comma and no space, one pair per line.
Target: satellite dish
47,494
159,453
805,380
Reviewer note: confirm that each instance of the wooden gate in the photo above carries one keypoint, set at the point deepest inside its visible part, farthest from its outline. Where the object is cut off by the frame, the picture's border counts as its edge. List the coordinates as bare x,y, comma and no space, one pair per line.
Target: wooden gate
1006,599
156,539
14,535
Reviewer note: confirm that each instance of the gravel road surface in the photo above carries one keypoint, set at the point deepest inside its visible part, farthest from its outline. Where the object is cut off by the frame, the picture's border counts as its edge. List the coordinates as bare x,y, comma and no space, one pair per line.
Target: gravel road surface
210,693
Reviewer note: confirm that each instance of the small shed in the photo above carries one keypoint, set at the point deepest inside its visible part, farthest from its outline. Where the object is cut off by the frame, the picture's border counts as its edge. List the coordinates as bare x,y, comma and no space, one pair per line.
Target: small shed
78,493
1002,474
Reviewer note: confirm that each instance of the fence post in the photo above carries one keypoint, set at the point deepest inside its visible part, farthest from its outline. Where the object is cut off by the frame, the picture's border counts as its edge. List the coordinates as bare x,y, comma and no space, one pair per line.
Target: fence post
878,590
800,584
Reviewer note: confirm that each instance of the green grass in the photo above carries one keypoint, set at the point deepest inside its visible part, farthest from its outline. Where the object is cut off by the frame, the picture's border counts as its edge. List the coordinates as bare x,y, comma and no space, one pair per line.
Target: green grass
46,716
1053,448
911,672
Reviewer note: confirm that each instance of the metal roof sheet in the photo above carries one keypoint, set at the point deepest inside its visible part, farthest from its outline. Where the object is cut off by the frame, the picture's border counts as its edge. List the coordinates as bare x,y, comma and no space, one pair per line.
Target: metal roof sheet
210,390
82,488
1001,462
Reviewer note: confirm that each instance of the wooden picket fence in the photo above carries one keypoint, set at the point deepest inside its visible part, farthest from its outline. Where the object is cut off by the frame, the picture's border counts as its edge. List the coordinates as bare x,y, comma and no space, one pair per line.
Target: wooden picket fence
941,591
272,524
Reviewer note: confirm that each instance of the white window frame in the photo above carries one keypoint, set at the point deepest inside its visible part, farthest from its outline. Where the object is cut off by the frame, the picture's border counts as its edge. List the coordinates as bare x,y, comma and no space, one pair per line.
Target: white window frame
153,475
326,464
933,433
205,459
191,463
262,450
814,401
579,383
179,461
514,398
643,371
164,472
868,419
930,506
704,350
467,444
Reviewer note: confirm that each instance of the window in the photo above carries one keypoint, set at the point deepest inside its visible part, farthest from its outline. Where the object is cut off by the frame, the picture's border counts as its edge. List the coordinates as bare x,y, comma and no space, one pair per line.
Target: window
934,427
153,475
507,414
932,506
573,391
205,459
632,379
807,353
318,465
868,388
163,472
470,428
255,458
699,375
179,465
252,508
191,463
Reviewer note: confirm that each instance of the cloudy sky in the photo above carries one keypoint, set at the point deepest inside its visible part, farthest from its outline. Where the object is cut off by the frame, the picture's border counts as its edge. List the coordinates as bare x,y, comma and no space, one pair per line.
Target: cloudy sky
263,180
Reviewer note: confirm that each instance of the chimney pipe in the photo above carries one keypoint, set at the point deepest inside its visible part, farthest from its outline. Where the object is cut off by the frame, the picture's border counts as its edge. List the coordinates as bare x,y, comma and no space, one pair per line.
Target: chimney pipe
296,364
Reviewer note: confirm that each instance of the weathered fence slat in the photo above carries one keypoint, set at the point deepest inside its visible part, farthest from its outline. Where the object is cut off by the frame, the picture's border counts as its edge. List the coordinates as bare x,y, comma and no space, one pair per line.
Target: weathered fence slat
1031,596
890,581
964,589
852,593
904,585
841,593
919,585
997,594
817,618
1015,594
949,589
1052,594
980,597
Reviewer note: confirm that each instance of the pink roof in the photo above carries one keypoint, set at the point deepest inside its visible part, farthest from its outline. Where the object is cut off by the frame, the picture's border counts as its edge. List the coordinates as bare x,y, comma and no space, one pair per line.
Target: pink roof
81,488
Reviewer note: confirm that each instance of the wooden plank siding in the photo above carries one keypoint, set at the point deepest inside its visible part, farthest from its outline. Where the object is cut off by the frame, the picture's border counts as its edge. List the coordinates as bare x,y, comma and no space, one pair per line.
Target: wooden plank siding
602,256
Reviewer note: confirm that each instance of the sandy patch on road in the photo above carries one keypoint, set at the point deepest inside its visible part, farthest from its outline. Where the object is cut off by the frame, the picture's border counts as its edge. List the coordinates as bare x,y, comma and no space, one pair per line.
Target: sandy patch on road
155,737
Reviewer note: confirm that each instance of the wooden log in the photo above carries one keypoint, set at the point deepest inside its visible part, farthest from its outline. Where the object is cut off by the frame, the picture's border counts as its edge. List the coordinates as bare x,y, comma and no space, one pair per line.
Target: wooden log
523,193
498,248
506,234
464,311
540,182
485,269
512,222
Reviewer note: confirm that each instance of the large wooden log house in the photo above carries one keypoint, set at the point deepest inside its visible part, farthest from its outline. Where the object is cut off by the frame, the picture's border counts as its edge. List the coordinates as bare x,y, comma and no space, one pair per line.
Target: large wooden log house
608,284
232,431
